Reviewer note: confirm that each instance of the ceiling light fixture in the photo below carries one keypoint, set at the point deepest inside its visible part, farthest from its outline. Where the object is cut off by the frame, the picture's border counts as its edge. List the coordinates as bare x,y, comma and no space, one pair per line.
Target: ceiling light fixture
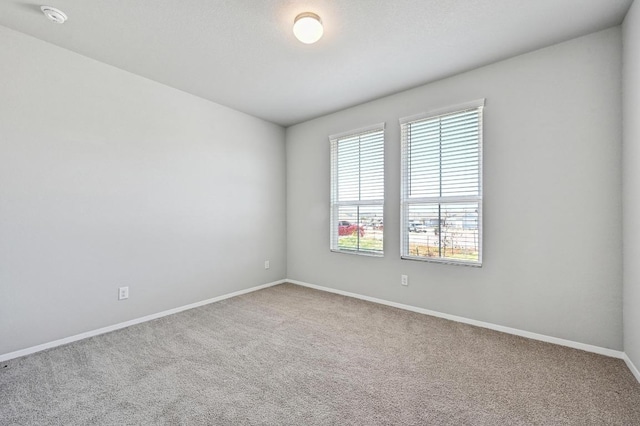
307,27
54,15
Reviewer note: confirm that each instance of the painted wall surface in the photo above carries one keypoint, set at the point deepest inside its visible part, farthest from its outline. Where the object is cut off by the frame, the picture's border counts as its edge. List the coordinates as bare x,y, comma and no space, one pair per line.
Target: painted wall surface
631,182
552,199
108,179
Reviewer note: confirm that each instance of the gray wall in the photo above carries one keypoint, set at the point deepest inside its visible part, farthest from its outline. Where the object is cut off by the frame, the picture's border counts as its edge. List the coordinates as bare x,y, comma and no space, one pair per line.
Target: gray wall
552,206
631,183
108,179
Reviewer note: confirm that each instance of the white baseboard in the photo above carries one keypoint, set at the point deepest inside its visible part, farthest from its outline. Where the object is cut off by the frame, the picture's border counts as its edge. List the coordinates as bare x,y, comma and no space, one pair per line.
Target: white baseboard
535,336
64,341
509,330
632,367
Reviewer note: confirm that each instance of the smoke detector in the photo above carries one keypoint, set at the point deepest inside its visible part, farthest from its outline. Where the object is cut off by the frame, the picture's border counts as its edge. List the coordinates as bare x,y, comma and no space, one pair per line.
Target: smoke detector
54,14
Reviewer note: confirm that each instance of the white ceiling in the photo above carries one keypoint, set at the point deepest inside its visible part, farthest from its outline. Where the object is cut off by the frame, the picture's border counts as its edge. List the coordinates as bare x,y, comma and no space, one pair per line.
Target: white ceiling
242,53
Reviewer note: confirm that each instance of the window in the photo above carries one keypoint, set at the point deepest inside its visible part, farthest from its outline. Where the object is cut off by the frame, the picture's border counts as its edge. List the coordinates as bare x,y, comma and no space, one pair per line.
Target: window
357,191
442,185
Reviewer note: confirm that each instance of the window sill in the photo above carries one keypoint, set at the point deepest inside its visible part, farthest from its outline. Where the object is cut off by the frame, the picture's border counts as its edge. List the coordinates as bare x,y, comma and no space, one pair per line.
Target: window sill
358,253
444,261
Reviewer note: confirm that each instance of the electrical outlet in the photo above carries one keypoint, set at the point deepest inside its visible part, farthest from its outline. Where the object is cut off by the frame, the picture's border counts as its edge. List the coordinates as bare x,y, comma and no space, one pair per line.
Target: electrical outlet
266,264
123,293
404,280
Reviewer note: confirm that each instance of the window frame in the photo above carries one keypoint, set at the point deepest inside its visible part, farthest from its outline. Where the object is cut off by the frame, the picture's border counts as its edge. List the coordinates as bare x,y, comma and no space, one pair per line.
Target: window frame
335,204
405,201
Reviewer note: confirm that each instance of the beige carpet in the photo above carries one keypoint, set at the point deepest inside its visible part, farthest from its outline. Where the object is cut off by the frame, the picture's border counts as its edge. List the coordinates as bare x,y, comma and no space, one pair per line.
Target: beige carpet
288,355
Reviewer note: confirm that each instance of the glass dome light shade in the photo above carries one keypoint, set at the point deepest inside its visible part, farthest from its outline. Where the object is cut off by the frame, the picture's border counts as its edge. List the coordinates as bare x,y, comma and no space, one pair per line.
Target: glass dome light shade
307,27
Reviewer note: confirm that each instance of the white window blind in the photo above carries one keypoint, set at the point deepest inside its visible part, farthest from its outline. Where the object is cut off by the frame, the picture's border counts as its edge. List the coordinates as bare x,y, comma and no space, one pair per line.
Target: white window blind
357,191
442,185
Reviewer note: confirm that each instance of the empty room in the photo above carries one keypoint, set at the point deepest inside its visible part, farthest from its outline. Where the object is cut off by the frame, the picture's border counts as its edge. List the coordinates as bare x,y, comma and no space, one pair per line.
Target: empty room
283,212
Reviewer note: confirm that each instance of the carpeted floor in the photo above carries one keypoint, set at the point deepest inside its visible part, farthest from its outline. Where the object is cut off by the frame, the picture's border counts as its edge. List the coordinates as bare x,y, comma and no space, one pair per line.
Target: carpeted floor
288,355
